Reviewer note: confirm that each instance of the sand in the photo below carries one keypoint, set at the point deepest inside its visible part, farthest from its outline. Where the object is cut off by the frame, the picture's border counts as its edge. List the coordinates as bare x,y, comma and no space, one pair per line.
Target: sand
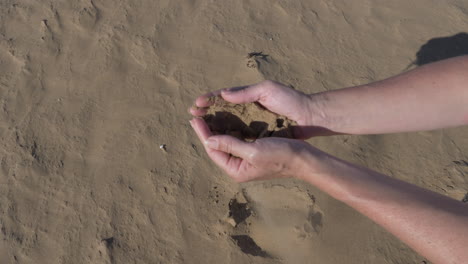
90,89
248,121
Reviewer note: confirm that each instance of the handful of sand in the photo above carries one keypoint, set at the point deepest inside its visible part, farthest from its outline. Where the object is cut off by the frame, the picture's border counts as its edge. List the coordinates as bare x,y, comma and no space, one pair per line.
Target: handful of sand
248,121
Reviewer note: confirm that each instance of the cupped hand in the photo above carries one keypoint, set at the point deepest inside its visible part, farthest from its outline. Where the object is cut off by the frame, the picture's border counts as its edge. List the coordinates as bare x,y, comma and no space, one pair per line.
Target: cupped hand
264,158
275,97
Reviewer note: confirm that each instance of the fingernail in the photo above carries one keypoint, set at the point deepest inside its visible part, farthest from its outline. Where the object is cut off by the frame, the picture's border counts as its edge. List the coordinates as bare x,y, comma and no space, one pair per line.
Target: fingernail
205,99
211,143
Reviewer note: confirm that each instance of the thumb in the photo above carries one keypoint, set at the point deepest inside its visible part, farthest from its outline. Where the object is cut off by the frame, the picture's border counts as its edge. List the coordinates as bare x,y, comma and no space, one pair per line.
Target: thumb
244,94
231,145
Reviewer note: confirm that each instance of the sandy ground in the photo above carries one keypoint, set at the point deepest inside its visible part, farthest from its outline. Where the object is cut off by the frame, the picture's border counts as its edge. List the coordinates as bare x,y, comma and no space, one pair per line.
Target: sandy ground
90,89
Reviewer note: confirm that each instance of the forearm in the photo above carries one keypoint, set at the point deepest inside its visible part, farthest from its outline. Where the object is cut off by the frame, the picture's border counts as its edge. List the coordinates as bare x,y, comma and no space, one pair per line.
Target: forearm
433,225
430,97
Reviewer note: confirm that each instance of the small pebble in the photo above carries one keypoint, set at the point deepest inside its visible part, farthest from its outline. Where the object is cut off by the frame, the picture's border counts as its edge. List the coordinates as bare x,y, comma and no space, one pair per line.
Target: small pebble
163,147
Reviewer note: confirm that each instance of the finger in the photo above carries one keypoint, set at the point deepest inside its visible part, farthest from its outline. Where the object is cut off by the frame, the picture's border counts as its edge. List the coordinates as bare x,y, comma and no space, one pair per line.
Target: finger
203,133
206,100
274,96
201,129
244,94
231,145
198,111
228,163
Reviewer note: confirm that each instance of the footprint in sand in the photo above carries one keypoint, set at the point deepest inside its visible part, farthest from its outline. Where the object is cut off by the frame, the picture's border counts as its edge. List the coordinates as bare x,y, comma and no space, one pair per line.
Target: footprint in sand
88,16
239,212
275,221
268,67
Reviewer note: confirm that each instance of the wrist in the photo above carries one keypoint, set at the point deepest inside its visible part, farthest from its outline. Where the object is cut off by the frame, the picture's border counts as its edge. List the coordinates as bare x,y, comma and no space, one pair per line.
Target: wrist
318,114
331,113
326,173
309,162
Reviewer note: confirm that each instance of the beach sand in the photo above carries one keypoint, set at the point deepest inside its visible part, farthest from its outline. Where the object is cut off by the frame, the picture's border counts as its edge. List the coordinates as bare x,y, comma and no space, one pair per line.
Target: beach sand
249,121
91,89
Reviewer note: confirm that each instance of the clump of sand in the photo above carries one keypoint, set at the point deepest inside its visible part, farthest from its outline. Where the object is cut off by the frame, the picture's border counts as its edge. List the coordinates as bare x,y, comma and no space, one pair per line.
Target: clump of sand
246,121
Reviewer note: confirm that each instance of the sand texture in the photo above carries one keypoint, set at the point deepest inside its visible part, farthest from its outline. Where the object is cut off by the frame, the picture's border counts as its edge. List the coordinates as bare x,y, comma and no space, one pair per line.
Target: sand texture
246,121
90,90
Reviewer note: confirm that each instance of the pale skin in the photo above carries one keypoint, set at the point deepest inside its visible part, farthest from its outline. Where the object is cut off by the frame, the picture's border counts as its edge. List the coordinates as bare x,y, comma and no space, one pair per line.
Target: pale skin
430,97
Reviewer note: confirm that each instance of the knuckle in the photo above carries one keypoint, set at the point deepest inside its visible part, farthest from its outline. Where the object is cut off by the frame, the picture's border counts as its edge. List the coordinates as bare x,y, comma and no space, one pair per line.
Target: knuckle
226,145
254,156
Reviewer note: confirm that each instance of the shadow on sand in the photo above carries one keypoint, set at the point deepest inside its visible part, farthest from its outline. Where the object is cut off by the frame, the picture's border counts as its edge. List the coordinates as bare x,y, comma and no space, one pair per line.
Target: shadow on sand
442,48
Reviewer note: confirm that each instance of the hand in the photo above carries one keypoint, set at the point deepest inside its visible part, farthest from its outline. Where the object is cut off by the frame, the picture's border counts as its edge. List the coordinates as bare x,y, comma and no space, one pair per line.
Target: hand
265,158
275,97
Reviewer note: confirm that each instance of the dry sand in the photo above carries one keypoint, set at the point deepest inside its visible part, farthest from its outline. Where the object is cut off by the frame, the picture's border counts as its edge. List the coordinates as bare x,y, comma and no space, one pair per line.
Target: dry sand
90,89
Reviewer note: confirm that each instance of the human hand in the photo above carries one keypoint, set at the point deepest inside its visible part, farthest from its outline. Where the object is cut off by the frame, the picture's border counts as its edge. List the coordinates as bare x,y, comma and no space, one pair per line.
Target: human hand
275,97
262,159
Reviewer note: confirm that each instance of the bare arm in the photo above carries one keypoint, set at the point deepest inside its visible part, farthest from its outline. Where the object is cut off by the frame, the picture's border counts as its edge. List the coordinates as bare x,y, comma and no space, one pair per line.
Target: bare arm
430,97
433,225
